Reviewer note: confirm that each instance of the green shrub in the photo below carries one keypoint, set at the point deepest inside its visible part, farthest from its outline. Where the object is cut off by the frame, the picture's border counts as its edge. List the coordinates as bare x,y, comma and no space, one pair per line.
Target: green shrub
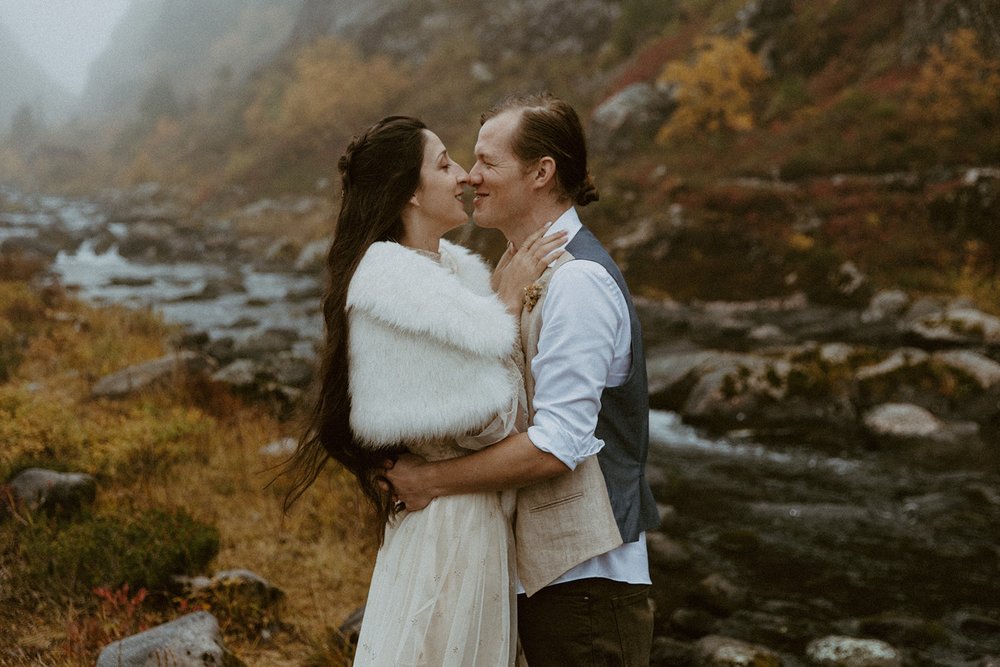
143,550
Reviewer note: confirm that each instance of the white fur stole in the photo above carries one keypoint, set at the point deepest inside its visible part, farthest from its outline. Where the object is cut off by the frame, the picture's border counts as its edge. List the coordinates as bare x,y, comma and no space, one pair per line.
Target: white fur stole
426,346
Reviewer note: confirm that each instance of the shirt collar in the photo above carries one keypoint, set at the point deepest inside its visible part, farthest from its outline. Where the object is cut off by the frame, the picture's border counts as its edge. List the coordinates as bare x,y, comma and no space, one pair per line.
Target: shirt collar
568,221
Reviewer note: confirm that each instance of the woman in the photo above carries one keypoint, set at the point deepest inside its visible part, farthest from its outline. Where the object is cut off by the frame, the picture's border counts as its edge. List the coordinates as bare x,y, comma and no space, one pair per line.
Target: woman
420,353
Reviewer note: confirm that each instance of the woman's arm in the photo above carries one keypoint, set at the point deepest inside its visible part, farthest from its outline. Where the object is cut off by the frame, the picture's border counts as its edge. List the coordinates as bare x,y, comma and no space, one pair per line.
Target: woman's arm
513,462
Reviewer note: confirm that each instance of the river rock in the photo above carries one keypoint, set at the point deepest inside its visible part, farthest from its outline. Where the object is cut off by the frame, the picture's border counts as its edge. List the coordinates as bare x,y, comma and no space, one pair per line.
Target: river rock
915,427
980,368
900,360
903,630
312,257
902,420
239,374
665,552
732,391
291,369
669,652
849,280
667,371
151,373
836,354
719,651
40,489
905,376
693,622
280,448
221,349
838,651
148,241
958,325
721,595
282,252
266,343
217,287
193,640
885,304
246,584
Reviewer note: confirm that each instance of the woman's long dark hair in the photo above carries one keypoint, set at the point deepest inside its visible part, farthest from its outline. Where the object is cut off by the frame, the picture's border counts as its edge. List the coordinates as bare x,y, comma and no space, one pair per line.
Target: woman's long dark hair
380,171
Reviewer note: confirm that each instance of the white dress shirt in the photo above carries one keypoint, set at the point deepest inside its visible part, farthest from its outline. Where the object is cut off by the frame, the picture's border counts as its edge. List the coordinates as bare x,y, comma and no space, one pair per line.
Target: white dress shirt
584,346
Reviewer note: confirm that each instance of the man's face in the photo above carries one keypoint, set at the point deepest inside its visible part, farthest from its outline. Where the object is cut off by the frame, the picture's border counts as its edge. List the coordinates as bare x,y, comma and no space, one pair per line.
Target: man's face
500,182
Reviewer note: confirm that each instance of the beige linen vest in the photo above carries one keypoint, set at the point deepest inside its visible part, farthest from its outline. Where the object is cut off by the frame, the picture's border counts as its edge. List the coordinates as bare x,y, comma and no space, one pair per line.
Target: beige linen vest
568,519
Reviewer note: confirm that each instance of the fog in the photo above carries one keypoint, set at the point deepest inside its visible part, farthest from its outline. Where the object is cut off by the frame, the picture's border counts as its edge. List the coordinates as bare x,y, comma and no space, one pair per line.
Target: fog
63,36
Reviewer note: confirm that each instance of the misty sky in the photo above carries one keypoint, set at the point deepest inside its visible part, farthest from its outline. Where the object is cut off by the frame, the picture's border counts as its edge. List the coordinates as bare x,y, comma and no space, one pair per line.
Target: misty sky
63,36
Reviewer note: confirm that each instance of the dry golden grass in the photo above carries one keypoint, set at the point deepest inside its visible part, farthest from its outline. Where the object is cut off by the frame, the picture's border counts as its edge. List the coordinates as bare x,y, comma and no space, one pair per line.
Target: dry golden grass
186,446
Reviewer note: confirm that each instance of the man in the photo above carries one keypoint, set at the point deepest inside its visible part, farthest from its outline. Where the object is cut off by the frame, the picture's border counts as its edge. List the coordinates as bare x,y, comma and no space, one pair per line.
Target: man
583,502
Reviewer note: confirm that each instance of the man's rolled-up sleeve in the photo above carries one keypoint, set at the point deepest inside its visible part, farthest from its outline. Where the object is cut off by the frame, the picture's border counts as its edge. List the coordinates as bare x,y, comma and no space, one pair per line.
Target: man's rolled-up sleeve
581,320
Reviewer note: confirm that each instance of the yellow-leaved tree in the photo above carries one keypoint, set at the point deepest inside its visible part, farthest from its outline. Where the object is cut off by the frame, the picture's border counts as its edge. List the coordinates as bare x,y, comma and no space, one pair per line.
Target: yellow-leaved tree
957,87
715,90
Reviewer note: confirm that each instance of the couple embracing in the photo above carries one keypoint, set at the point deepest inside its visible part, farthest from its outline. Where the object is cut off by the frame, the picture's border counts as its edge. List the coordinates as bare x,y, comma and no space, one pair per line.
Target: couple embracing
497,422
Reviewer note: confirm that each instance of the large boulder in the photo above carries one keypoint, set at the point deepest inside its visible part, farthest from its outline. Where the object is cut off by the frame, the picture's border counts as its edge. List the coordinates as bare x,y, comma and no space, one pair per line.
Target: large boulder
193,640
151,373
631,115
62,492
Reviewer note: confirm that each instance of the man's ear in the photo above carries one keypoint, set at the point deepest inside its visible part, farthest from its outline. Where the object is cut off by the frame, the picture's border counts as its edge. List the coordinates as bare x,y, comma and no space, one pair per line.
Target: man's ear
544,172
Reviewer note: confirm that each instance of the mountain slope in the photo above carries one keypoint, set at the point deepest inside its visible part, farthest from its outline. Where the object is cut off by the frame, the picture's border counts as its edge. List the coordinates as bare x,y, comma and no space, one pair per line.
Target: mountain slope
23,81
194,45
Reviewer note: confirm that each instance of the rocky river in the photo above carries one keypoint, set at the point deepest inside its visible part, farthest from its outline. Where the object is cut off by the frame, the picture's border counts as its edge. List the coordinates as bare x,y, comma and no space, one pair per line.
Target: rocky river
829,477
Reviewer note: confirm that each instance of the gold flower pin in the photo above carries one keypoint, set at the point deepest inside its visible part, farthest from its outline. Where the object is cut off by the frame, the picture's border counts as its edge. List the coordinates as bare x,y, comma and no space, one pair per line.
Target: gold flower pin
531,295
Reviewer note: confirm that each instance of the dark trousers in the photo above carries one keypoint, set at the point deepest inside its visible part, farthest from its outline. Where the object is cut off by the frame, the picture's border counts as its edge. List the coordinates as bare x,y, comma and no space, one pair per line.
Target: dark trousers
586,623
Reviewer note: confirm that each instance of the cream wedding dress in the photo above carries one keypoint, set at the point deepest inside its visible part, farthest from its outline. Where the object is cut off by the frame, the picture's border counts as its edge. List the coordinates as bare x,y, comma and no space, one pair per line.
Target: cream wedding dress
444,590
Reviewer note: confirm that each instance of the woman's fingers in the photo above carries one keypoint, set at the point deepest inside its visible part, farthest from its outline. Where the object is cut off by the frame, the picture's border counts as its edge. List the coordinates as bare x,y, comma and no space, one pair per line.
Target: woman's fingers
537,234
549,243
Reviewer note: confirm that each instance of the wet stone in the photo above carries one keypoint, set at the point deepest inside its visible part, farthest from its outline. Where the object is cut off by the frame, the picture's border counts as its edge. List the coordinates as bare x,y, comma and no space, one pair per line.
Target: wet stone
719,651
665,552
839,651
669,652
721,595
692,622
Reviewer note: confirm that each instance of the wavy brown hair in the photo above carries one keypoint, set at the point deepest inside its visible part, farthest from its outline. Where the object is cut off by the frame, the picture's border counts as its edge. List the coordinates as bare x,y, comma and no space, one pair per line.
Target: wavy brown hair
380,171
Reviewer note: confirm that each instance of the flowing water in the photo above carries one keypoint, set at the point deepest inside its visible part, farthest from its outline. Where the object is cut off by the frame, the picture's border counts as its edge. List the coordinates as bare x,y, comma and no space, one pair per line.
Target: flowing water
854,543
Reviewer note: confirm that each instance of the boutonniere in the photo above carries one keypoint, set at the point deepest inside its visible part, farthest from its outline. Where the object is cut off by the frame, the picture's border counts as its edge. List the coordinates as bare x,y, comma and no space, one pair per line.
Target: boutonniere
531,295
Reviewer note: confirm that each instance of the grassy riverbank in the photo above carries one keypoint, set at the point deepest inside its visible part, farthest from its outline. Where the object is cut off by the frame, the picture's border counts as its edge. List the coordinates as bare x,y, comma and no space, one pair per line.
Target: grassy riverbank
189,450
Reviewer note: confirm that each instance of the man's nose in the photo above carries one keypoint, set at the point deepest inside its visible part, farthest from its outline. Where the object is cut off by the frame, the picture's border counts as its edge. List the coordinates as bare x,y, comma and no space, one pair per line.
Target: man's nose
475,178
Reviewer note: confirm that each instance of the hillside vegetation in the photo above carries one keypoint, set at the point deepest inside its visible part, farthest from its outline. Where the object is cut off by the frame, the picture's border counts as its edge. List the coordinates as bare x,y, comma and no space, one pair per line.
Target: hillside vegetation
720,132
180,490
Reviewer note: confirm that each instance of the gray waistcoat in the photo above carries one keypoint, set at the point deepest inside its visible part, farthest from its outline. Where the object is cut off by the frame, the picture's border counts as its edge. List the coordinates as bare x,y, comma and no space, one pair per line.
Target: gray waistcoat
623,422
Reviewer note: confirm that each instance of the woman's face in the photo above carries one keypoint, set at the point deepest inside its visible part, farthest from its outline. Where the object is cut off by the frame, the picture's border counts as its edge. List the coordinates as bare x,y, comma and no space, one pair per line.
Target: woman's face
438,199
